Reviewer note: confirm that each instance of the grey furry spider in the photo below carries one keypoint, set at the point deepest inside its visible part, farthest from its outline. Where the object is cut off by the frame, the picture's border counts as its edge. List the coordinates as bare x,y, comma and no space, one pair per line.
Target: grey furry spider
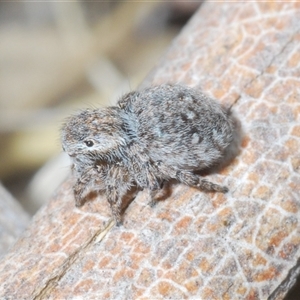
150,137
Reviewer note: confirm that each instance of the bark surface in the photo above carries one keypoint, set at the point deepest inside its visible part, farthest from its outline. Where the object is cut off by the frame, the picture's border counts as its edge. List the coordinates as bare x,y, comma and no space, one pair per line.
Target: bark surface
193,245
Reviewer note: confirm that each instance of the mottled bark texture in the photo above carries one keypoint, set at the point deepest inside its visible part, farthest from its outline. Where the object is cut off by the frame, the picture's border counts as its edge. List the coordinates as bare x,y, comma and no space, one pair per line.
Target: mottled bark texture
195,245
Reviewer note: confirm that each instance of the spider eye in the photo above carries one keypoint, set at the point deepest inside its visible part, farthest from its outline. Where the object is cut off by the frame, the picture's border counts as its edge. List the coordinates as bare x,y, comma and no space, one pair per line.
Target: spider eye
89,143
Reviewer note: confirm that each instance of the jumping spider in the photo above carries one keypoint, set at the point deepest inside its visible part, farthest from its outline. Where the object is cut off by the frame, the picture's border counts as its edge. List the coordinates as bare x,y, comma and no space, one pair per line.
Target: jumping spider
152,136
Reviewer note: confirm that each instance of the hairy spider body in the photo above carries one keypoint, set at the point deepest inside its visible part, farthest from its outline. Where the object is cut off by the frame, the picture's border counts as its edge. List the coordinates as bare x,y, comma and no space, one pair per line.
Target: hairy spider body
151,136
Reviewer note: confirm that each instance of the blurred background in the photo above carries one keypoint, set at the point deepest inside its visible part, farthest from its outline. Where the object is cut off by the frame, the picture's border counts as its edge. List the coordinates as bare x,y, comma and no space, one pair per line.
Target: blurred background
57,57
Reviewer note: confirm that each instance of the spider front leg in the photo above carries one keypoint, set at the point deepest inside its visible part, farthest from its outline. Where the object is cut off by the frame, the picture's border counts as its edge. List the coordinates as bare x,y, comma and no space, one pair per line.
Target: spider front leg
117,183
81,185
78,189
115,202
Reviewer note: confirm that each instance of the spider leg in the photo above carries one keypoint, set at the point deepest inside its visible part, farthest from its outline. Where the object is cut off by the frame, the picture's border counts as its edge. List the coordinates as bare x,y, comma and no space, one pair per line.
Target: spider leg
193,180
115,202
118,183
154,193
81,185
